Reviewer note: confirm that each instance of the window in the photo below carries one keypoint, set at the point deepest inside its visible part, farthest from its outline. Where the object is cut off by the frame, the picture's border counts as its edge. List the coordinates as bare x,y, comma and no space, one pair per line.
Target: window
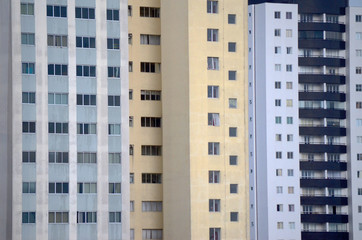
87,157
233,160
289,67
359,139
291,225
215,233
213,119
86,217
149,12
129,11
358,18
234,216
83,188
29,187
86,128
114,72
86,71
130,66
152,234
359,174
359,191
27,9
359,35
277,32
58,69
29,157
232,75
86,100
359,122
278,102
359,53
279,189
112,43
214,176
231,19
290,190
28,217
212,63
278,67
28,127
58,98
84,13
232,131
130,94
56,11
58,157
359,105
58,128
291,207
131,178
114,188
150,67
290,155
233,188
57,40
150,95
212,35
213,91
114,101
214,205
150,122
114,158
233,103
58,217
278,172
358,70
278,155
115,217
114,129
214,148
28,97
28,68
148,150
358,87
148,39
113,14
288,15
277,15
289,85
155,178
289,120
28,38
359,156
131,148
278,137
289,50
290,137
277,50
278,120
289,33
151,206
212,6
279,207
86,42
290,172
359,209
59,188
232,46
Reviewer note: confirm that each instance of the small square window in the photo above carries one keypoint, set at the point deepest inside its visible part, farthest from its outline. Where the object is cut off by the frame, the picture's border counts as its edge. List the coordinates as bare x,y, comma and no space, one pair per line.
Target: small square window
277,15
290,137
290,155
358,87
290,172
278,85
278,67
277,50
130,94
233,188
232,75
233,160
291,207
289,67
290,190
278,137
231,18
278,120
289,85
277,32
234,216
289,33
232,46
278,155
232,132
232,103
289,50
288,15
289,120
278,172
278,102
279,207
289,102
279,189
358,18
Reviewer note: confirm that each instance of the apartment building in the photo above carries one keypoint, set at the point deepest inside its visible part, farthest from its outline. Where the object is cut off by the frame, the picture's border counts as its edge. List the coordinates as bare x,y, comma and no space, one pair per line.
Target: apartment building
188,162
64,141
328,68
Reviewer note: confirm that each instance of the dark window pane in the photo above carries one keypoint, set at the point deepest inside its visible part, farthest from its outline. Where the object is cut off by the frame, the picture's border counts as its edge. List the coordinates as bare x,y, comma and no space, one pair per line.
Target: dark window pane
32,156
58,127
51,127
86,99
91,13
92,71
110,101
58,188
64,70
63,11
116,15
85,13
51,157
65,154
32,217
65,188
109,43
117,101
79,42
25,217
79,99
50,69
65,127
78,12
92,42
32,127
93,100
110,71
116,43
56,11
57,69
109,14
86,42
49,11
86,71
79,70
51,188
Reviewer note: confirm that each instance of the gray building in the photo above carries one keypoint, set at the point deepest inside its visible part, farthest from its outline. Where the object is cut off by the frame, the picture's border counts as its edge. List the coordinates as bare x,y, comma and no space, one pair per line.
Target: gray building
64,124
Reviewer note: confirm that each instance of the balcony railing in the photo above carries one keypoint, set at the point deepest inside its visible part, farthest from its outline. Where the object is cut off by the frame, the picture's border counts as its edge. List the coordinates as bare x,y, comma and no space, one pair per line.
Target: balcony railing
321,195
321,56
320,160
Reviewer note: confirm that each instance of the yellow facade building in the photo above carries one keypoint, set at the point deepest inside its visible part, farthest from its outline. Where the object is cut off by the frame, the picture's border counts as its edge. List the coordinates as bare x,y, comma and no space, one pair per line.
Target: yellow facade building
188,118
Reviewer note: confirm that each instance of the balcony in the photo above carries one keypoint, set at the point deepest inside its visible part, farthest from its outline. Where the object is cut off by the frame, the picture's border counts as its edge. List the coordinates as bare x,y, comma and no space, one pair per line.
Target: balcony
321,61
333,166
323,200
320,95
322,218
321,43
322,183
321,26
321,78
321,131
322,113
311,235
321,148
